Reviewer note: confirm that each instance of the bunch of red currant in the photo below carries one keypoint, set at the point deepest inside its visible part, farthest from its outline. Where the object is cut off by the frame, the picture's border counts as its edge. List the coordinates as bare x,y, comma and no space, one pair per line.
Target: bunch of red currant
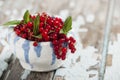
43,28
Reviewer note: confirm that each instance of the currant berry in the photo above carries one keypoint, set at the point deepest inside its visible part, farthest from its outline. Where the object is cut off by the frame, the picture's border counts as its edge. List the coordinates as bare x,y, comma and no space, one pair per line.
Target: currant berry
62,40
29,24
24,36
72,39
63,57
52,28
60,25
64,50
48,27
71,45
56,48
44,33
73,50
56,23
46,38
35,44
41,24
53,36
54,42
61,35
32,17
22,28
17,32
42,18
58,29
58,56
41,29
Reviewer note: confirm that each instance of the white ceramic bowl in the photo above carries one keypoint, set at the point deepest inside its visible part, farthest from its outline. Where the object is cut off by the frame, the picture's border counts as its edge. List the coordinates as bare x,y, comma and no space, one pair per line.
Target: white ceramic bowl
40,58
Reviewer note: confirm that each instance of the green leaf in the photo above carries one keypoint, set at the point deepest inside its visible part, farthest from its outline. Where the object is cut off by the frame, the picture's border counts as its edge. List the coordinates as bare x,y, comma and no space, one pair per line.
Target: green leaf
36,25
14,22
38,36
67,25
26,17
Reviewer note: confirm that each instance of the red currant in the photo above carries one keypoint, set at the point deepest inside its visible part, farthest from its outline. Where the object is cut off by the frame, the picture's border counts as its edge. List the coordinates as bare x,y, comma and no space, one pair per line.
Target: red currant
41,29
32,17
55,42
35,44
73,50
64,50
72,39
29,24
41,24
63,57
42,18
62,40
24,36
17,32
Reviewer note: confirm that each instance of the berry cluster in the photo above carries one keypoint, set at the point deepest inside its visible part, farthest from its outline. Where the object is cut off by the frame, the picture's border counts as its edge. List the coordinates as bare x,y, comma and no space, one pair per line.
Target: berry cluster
48,29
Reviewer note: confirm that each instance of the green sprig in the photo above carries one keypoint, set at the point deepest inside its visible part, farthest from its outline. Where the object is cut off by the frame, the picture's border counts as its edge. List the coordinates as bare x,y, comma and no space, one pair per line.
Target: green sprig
67,25
14,22
38,36
26,17
36,25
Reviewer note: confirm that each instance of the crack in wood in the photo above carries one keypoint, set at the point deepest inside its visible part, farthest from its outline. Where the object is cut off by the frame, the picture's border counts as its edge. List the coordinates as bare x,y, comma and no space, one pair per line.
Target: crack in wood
109,60
58,77
25,74
108,25
92,75
93,67
78,59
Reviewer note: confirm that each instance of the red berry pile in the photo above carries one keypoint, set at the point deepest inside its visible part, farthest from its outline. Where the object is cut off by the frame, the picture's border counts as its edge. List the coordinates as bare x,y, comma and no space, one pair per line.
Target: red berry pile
43,28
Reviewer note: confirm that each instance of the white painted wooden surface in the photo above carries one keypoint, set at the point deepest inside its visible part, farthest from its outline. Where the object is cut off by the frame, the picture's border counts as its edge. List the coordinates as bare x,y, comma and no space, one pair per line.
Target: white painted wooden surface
113,72
5,54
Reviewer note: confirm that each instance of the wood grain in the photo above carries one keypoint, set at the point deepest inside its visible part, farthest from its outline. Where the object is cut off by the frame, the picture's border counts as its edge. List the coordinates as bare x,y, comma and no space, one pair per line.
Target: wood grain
15,71
41,76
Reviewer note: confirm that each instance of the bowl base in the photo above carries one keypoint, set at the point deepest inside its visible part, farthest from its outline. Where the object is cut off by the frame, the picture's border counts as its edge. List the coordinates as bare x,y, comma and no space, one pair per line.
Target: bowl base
39,68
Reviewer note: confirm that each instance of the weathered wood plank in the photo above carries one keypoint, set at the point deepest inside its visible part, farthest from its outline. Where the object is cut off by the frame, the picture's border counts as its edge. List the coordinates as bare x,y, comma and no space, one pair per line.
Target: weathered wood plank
113,72
16,72
106,38
13,72
41,76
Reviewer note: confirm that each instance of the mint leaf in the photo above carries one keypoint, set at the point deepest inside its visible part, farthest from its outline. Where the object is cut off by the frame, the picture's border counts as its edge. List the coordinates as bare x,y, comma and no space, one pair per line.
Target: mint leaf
36,25
26,17
38,36
14,22
67,25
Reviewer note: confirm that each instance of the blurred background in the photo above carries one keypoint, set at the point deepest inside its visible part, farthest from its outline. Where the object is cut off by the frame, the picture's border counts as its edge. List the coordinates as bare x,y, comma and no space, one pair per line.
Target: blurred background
90,15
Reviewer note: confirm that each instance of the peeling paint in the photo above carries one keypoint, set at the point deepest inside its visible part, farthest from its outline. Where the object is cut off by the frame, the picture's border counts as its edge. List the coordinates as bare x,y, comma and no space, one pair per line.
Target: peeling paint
25,74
